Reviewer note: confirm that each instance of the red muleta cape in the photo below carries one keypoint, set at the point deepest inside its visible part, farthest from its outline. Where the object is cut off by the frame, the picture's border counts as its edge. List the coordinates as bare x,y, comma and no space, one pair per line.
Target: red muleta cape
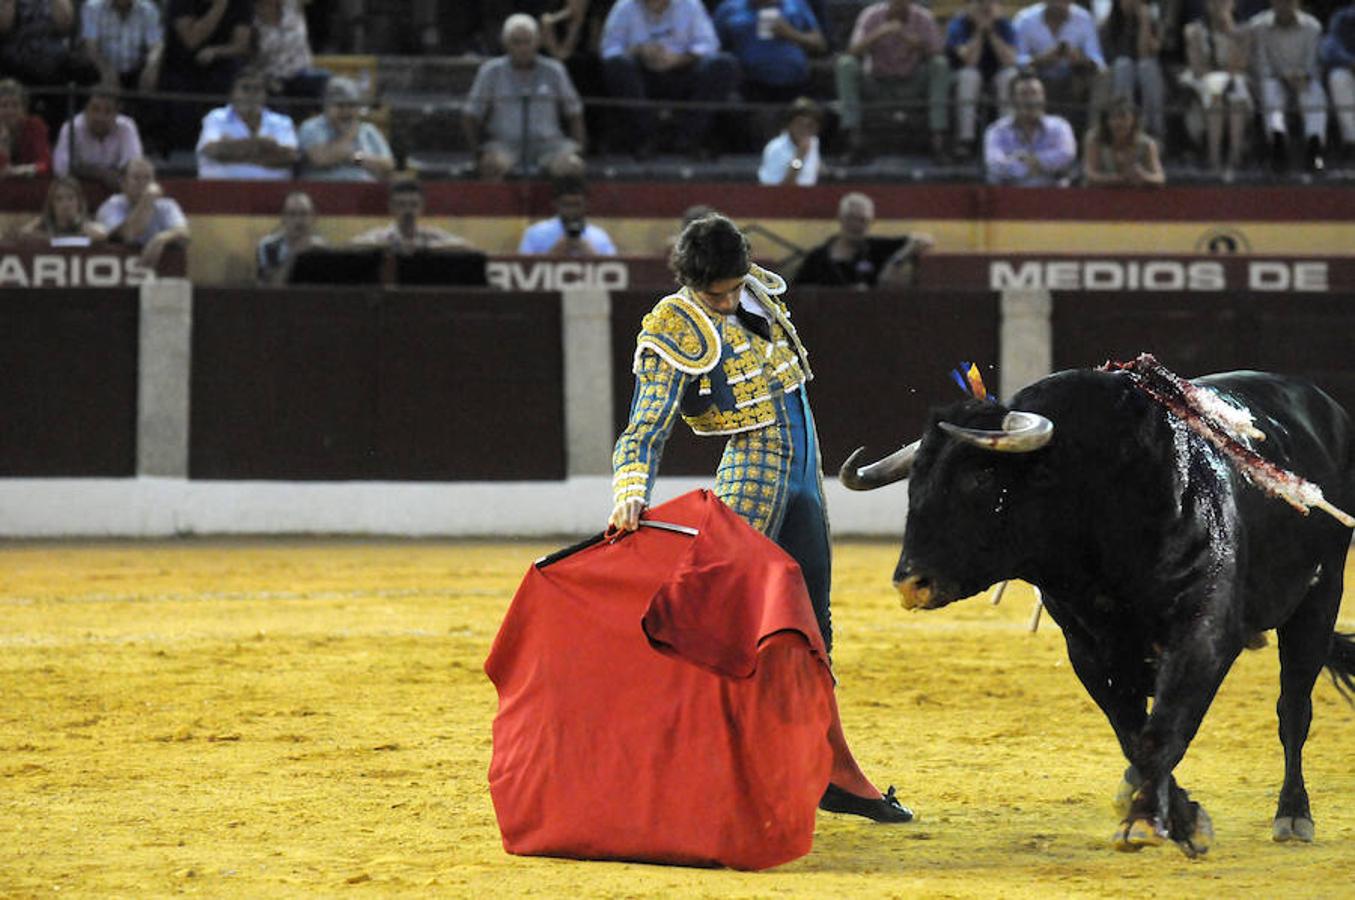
663,698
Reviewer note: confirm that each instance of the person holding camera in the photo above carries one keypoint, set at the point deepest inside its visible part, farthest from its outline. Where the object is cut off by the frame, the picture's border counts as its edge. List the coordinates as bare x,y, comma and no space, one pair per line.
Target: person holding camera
1059,40
569,233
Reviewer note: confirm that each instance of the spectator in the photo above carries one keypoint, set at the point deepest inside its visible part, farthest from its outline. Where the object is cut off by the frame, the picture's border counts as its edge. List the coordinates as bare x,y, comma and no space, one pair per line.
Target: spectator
569,233
337,145
1284,56
665,49
1131,42
1058,38
206,43
1118,152
981,46
64,217
279,249
853,258
517,101
404,234
895,55
245,140
283,50
34,45
1338,55
142,216
771,39
24,149
792,157
99,142
1029,148
125,41
1217,53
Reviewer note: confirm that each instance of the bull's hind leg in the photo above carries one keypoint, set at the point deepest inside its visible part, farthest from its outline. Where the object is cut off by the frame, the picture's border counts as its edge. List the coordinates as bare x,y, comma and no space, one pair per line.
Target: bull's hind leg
1305,641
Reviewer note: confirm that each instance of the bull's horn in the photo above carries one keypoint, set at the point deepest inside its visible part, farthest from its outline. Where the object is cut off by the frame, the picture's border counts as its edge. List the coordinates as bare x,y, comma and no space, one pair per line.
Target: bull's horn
1021,432
892,468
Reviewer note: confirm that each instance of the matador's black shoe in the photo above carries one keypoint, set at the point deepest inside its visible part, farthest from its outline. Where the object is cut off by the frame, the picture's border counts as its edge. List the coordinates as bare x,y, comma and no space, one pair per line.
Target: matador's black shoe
886,809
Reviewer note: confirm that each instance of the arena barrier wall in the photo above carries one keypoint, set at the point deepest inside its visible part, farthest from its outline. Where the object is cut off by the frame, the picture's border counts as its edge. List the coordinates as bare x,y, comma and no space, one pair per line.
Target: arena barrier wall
168,410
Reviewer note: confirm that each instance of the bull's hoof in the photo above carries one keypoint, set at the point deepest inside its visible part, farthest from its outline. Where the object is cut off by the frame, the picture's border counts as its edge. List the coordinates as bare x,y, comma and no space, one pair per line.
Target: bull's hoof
1134,835
1292,828
1201,838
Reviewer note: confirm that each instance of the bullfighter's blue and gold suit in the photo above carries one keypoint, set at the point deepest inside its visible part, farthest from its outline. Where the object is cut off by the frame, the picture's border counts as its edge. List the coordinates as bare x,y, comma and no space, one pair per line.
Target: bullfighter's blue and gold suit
743,376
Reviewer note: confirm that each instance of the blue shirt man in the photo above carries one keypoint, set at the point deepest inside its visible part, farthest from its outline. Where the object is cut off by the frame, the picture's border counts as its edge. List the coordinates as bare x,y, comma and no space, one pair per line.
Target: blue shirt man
961,29
771,54
1054,51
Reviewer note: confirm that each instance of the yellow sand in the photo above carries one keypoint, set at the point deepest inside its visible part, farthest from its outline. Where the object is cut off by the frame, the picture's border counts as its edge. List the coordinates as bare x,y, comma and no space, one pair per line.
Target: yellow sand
272,718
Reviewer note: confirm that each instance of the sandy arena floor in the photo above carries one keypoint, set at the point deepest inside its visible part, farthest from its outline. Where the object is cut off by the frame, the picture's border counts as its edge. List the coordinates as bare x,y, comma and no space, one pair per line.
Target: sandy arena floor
272,718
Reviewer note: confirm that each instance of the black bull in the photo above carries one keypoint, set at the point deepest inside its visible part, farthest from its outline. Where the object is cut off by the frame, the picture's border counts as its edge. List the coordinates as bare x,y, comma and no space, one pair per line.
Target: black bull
1155,555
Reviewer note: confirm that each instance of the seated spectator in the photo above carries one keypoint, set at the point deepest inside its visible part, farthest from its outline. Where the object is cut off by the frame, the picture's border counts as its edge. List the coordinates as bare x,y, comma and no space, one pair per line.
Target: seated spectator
569,233
1058,38
34,45
981,46
99,142
515,105
772,40
1217,55
792,157
283,50
1029,148
206,45
24,149
894,55
65,217
665,50
853,258
125,41
142,216
1284,56
1338,55
279,249
1131,43
1117,151
337,145
404,234
245,140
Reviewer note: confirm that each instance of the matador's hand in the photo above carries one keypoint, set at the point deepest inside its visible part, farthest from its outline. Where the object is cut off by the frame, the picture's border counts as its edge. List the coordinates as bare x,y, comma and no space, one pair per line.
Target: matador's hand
626,514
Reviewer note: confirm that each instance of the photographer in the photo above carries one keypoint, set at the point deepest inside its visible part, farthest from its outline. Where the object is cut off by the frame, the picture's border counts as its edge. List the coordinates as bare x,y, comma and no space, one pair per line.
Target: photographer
569,233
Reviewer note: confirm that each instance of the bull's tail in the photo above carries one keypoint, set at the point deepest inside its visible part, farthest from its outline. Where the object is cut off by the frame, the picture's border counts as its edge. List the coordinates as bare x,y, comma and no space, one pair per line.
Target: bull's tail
1341,664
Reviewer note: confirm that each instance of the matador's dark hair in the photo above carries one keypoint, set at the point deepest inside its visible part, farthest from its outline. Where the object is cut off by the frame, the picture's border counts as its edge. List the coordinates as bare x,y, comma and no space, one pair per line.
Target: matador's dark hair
709,249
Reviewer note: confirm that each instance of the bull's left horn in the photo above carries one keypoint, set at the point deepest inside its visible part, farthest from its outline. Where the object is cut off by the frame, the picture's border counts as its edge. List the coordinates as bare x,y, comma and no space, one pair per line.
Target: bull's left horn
1021,432
892,468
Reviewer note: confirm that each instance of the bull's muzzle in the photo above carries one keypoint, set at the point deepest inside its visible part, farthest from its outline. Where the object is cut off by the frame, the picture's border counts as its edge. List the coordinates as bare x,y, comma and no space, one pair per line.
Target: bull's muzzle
915,592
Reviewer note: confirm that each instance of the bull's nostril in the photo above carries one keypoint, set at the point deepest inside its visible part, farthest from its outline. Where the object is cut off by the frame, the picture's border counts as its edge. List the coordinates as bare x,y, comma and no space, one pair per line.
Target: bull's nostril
921,582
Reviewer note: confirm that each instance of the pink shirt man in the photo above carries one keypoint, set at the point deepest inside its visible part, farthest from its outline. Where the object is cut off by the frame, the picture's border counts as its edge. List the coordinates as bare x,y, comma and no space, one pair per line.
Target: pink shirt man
111,151
898,55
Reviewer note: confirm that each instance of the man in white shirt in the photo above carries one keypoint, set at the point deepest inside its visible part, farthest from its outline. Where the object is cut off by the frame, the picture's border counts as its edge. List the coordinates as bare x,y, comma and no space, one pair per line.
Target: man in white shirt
245,140
142,216
1285,44
569,233
792,157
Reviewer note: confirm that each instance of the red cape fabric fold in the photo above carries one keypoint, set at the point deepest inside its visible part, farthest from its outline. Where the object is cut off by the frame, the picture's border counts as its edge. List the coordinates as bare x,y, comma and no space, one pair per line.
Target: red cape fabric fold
664,698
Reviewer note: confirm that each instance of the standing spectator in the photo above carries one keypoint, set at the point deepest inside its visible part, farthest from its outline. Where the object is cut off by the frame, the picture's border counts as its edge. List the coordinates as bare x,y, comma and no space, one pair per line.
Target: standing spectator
1338,55
1131,42
246,140
852,258
517,101
1118,152
337,145
1029,148
206,43
1218,52
665,49
772,40
569,233
792,157
279,249
283,50
1284,56
24,149
1059,39
64,215
99,142
894,55
35,43
981,46
142,216
404,234
125,41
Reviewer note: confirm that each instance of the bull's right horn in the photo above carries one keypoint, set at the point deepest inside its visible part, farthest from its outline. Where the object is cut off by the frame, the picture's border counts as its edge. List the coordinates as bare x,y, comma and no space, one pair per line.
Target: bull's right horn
1021,432
892,468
